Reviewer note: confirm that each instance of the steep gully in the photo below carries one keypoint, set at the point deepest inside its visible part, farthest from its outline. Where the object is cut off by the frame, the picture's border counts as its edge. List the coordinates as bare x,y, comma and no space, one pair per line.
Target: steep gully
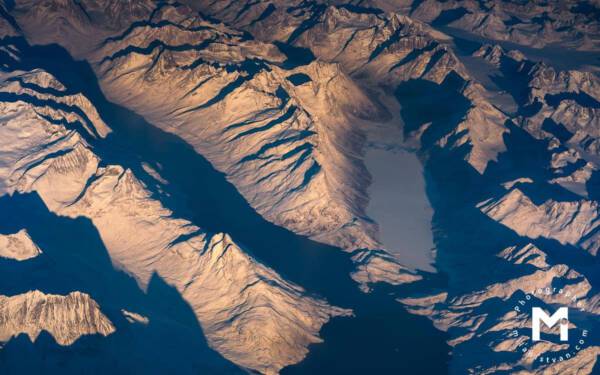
381,338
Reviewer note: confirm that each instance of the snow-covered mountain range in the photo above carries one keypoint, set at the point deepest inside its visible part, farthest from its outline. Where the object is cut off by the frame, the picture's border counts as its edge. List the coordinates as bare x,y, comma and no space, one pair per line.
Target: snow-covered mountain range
183,185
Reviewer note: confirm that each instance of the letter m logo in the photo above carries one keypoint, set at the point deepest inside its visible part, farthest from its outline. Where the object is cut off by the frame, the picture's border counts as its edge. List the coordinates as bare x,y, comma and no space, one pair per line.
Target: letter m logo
539,315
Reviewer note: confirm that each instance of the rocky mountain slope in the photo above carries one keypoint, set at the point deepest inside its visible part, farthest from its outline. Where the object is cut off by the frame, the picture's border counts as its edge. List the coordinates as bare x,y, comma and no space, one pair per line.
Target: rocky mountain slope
232,295
278,125
65,317
235,101
275,94
18,246
531,23
539,188
534,166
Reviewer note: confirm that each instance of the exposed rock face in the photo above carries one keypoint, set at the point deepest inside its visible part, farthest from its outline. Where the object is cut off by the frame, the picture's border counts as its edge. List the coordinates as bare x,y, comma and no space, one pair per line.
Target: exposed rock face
66,318
288,148
248,312
375,267
469,318
272,93
479,137
253,316
366,42
542,174
393,49
133,317
532,23
393,46
83,21
18,246
19,114
567,222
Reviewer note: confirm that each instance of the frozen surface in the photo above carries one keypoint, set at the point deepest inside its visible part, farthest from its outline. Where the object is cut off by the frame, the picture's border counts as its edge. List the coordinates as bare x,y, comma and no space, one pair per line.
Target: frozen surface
399,205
